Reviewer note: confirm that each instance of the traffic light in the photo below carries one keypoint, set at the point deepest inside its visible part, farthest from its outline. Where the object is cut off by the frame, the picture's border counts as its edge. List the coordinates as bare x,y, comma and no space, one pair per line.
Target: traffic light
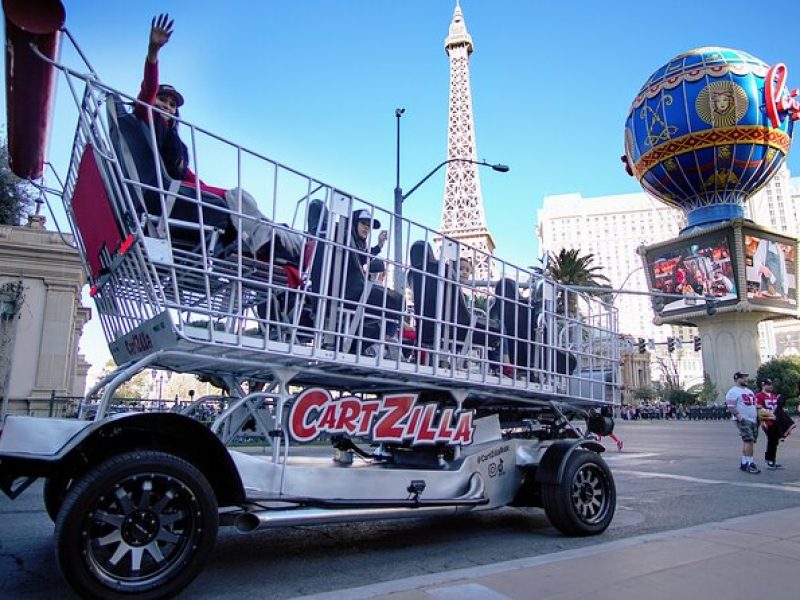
670,344
698,343
642,345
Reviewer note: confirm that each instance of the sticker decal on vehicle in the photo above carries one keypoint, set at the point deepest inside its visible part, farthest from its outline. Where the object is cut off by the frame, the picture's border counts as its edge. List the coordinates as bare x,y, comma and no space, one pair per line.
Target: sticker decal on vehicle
393,418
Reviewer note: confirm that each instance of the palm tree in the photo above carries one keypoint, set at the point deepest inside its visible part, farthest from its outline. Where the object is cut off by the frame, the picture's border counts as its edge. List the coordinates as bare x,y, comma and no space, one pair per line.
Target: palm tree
568,267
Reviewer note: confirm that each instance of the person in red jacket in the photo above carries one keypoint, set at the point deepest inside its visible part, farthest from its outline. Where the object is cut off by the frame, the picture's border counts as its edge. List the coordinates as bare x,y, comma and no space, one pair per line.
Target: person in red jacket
256,230
767,400
165,97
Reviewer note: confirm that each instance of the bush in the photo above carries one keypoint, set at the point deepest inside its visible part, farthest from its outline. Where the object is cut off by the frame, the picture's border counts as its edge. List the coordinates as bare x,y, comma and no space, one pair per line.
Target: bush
785,374
645,393
679,397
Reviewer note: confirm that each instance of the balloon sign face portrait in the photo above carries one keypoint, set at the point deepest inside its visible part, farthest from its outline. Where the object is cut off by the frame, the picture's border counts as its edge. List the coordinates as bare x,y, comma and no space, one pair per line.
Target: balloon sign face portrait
708,129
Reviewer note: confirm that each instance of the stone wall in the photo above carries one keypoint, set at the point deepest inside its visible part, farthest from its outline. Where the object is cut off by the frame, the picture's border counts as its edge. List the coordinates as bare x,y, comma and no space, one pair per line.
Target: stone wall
39,341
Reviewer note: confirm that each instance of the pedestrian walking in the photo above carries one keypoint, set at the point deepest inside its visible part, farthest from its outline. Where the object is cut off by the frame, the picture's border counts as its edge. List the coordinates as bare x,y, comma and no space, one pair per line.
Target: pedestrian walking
607,421
741,403
620,444
767,403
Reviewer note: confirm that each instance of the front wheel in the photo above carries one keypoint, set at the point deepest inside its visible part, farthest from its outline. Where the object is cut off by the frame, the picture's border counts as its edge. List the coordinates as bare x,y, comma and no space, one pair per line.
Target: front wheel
140,524
585,500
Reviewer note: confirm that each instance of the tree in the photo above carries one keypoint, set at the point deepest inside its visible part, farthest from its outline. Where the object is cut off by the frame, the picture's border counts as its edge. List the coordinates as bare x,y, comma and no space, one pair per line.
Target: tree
708,393
680,397
568,267
16,197
646,393
670,375
180,384
785,374
137,387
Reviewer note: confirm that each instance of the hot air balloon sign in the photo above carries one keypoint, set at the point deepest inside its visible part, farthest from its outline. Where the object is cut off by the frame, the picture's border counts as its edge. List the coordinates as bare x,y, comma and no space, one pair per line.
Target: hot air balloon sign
708,130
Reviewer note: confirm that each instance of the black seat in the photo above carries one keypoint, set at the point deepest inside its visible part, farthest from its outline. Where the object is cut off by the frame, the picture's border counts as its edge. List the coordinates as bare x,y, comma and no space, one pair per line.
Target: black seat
440,305
381,303
337,282
163,204
519,318
301,302
317,228
141,164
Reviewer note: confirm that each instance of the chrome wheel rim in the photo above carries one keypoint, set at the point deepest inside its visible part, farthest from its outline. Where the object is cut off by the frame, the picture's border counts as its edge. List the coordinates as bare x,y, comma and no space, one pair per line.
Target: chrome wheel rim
141,531
590,494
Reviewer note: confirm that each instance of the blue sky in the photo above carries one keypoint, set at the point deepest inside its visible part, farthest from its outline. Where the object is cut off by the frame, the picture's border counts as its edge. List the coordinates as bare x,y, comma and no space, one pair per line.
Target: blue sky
314,84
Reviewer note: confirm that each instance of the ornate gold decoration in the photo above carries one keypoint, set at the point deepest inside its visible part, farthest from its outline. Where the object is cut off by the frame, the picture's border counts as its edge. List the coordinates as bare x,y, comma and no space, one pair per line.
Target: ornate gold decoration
721,178
724,152
722,103
750,134
671,164
657,129
770,154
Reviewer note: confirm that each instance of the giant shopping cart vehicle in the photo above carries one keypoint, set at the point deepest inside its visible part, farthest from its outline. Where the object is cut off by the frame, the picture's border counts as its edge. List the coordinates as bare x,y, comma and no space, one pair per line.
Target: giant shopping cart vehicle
434,396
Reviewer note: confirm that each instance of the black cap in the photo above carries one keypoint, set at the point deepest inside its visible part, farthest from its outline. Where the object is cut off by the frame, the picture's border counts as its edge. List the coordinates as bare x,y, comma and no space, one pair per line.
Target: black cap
364,215
766,381
166,89
739,374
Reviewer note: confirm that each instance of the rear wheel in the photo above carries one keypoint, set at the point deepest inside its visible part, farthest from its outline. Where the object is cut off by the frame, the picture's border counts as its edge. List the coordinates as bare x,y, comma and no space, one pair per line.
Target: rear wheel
584,502
142,523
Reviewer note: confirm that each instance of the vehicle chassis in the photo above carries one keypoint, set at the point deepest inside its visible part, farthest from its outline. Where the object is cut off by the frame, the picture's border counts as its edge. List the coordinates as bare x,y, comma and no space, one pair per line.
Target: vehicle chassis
162,483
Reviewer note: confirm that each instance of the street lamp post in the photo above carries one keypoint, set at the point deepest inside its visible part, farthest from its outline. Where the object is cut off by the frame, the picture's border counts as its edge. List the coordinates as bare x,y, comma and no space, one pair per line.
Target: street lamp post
400,197
158,375
154,377
398,211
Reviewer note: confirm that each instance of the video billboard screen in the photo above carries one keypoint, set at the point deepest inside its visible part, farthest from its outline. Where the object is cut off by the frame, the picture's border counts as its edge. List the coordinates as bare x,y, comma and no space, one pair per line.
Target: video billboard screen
696,268
787,343
770,269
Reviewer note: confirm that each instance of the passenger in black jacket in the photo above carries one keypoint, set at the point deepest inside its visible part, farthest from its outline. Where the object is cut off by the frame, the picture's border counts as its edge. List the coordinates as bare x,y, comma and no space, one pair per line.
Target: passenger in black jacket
361,263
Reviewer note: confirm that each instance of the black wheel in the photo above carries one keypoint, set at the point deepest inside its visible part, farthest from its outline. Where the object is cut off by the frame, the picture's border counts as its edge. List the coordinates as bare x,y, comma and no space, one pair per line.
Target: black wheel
55,490
584,502
140,524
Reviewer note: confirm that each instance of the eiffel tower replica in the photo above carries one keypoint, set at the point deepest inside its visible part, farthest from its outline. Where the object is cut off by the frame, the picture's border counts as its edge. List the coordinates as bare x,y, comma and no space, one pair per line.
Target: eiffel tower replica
462,211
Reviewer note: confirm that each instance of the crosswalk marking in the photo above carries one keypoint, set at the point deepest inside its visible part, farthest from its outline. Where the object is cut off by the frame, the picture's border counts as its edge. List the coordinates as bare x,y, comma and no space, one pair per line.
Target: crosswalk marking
627,456
687,478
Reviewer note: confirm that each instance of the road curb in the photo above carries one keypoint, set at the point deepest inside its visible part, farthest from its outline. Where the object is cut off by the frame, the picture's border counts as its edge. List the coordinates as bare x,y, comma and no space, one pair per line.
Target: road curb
412,583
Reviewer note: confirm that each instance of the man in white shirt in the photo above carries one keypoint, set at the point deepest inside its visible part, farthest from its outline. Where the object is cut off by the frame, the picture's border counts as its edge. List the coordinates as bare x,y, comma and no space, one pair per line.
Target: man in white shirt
741,403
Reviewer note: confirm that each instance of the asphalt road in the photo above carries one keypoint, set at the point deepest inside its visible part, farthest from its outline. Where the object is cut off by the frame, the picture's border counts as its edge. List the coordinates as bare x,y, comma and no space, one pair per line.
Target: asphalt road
670,475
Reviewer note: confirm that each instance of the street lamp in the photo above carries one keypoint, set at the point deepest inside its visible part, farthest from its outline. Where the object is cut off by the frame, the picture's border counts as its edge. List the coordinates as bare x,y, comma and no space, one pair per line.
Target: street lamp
158,375
399,198
399,284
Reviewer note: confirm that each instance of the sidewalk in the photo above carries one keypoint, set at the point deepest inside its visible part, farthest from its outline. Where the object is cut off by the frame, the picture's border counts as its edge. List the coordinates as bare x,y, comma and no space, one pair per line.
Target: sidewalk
746,557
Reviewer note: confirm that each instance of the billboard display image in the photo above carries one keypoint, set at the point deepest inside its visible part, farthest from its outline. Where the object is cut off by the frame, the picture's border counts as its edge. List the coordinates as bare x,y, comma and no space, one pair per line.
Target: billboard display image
787,343
770,269
696,268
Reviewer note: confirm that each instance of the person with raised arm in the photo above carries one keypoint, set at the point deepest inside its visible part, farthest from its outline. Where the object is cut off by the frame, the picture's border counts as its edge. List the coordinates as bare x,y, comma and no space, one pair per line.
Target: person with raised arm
165,97
256,231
